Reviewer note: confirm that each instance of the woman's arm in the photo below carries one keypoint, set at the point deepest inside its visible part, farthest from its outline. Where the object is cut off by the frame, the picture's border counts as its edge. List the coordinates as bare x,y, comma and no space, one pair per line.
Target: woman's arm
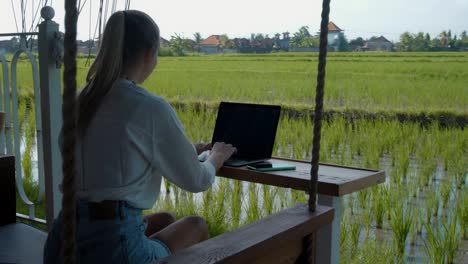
175,156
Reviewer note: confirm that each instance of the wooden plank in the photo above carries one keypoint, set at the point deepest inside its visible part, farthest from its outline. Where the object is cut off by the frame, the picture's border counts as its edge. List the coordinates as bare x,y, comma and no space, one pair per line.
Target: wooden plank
333,180
260,241
7,190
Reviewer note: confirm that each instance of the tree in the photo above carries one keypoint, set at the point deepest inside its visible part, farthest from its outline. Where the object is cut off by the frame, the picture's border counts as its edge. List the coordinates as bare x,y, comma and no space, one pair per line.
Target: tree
464,40
178,45
197,37
343,44
419,43
356,43
223,40
259,37
406,40
301,38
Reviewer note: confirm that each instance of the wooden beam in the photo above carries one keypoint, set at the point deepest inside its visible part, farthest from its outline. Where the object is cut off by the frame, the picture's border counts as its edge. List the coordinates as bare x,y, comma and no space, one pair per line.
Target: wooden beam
277,237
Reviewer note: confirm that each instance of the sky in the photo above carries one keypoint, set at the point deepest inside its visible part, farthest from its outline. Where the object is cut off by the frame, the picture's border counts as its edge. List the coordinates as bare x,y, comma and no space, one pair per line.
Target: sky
240,18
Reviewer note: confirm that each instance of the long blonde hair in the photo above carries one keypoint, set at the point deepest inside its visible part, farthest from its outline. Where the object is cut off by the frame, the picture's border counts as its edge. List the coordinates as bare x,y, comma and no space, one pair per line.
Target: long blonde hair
126,35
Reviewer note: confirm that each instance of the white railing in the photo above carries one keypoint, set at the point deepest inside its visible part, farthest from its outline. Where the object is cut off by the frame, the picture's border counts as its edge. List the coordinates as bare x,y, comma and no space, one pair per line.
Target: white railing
47,103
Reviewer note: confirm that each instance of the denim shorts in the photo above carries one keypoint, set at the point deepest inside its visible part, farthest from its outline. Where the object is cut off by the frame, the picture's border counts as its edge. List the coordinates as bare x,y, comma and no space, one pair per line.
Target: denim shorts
119,240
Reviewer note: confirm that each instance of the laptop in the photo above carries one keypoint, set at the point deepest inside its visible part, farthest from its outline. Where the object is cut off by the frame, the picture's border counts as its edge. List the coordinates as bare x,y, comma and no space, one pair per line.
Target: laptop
251,128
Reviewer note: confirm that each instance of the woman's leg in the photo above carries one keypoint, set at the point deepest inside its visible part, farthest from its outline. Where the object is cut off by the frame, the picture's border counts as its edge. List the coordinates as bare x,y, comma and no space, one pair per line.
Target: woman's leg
184,233
157,222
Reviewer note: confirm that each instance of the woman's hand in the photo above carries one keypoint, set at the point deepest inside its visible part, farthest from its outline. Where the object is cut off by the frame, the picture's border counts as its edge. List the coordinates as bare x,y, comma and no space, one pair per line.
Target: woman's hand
200,147
220,153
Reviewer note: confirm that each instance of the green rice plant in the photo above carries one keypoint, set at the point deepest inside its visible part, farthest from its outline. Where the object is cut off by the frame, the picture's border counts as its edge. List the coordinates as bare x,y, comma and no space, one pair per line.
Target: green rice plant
430,205
190,206
253,212
396,175
451,237
427,171
445,190
413,235
433,245
457,168
354,230
218,215
442,241
418,219
344,230
207,202
167,186
378,205
462,213
236,203
176,192
373,251
29,133
401,223
367,221
351,202
435,205
283,201
403,159
363,198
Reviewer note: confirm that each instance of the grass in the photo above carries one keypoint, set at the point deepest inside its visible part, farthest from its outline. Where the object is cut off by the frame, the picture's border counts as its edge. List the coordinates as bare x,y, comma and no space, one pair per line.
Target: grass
401,223
442,241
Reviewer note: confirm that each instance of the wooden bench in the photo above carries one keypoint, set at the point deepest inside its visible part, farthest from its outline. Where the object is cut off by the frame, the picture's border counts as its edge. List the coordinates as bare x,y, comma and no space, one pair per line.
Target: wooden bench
279,238
19,243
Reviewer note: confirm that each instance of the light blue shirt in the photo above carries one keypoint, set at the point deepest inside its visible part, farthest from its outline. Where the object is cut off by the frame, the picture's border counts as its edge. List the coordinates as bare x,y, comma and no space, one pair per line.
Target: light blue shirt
133,141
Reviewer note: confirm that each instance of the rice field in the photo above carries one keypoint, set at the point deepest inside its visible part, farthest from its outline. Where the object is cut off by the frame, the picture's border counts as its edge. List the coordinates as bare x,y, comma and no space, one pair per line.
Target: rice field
420,215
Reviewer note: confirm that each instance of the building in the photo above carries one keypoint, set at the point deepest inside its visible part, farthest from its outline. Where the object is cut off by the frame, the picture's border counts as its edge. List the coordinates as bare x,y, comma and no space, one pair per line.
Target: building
281,44
210,45
164,42
378,44
334,33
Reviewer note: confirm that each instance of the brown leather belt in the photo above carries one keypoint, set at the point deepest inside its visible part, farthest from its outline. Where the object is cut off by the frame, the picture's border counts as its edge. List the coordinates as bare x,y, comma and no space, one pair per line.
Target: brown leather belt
105,210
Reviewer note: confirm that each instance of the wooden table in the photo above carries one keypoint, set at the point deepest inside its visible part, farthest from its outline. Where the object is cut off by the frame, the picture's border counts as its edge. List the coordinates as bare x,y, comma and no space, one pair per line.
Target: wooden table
333,182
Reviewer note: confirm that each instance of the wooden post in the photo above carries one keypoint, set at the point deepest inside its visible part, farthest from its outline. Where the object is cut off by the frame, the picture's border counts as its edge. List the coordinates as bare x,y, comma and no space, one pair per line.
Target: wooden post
336,203
51,102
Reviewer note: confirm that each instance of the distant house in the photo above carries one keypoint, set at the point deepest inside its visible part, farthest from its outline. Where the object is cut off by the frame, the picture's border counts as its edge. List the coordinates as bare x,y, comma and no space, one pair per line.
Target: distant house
378,44
281,44
164,42
334,33
210,45
192,46
262,46
86,47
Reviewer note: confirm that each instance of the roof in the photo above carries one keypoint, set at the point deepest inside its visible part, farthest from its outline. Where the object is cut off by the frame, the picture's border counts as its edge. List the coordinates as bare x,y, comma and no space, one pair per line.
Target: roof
163,41
211,40
333,27
379,39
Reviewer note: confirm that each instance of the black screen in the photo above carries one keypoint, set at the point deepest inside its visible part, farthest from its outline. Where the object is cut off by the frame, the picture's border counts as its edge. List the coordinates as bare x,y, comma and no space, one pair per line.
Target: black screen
250,128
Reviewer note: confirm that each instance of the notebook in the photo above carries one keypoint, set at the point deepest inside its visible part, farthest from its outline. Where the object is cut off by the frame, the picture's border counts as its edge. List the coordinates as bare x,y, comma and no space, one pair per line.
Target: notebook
251,128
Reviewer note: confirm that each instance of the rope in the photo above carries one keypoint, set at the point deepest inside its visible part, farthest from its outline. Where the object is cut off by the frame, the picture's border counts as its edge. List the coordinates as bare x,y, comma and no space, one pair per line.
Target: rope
100,21
319,105
312,239
14,15
69,128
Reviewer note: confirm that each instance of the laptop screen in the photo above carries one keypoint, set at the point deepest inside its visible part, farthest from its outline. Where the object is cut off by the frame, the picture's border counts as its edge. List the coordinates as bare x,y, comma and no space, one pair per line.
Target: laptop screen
251,128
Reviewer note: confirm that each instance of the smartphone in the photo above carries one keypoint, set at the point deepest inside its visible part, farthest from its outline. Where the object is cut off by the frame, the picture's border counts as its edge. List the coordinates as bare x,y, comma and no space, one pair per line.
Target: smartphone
273,167
265,164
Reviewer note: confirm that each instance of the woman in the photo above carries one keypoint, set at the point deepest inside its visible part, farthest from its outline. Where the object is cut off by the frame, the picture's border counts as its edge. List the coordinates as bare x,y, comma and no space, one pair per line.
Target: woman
128,139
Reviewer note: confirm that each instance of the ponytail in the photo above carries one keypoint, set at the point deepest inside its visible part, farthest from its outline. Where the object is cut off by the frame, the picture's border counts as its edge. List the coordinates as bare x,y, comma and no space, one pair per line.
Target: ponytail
126,34
104,71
